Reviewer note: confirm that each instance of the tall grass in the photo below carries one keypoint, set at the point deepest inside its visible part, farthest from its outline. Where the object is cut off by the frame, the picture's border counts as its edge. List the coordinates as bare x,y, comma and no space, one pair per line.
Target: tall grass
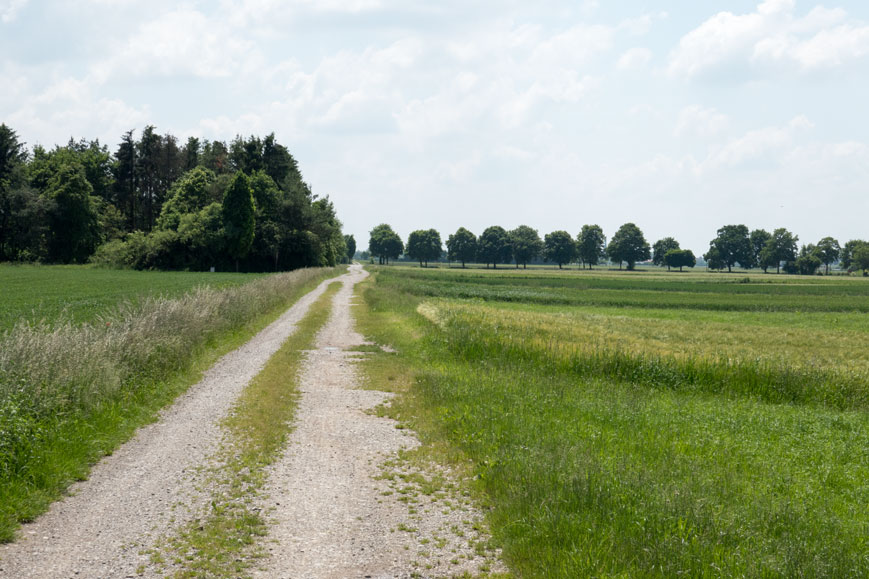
90,380
477,334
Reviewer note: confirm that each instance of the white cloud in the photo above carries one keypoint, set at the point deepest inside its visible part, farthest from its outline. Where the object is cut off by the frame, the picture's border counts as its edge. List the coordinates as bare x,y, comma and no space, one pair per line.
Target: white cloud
771,35
9,9
696,120
635,58
183,42
769,145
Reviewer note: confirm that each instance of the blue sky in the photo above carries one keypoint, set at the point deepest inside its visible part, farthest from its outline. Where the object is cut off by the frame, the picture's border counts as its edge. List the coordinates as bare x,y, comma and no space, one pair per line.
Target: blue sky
678,116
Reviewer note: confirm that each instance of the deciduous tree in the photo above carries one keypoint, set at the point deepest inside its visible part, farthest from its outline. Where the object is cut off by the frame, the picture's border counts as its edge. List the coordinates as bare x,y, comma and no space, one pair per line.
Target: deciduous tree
680,258
424,245
660,249
462,246
781,246
494,246
861,257
629,245
591,245
828,251
808,261
384,243
73,217
525,244
559,247
732,245
846,257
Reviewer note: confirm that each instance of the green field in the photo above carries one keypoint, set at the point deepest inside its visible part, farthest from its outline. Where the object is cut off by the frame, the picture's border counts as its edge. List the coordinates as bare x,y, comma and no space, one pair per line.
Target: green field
644,424
79,293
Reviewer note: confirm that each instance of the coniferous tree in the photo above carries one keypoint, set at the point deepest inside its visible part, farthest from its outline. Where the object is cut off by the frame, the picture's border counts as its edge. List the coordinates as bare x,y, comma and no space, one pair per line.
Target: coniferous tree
239,217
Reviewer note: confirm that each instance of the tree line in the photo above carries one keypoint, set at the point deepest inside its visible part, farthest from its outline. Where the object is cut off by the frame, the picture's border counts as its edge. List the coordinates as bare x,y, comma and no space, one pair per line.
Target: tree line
733,246
153,203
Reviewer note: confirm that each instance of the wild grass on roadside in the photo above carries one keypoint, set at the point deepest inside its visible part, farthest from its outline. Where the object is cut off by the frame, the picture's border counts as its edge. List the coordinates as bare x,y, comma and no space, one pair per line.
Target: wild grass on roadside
223,542
71,393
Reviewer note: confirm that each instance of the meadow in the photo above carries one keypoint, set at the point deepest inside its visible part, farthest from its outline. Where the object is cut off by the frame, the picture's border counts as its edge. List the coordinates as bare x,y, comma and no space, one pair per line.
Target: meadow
75,386
56,294
643,424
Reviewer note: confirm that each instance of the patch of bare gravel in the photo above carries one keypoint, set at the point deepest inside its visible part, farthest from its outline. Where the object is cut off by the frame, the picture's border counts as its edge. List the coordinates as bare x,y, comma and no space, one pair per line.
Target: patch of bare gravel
149,485
343,501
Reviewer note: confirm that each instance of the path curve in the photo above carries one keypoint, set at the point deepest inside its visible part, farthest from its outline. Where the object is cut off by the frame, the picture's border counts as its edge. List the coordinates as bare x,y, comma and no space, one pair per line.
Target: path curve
149,485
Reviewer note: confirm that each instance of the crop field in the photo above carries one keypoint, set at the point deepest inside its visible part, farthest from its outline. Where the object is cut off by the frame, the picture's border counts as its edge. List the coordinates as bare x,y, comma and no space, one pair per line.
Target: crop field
79,294
644,424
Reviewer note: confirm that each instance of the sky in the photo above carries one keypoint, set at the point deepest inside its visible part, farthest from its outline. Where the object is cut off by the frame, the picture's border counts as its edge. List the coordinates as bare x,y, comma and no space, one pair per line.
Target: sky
678,116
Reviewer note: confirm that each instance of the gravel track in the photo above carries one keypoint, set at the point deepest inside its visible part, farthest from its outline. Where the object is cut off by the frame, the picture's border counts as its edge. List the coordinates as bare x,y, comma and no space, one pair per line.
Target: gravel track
149,485
342,501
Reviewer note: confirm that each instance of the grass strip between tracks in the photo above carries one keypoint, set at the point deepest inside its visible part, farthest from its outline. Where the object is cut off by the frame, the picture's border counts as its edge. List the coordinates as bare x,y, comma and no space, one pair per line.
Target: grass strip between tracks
223,543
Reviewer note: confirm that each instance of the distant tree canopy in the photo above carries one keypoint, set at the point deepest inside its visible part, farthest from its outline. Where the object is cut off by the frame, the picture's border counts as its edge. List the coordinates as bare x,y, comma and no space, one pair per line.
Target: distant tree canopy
680,258
828,251
731,246
660,250
494,247
462,246
860,257
384,243
559,247
155,204
350,244
591,245
525,245
780,247
758,239
424,245
628,245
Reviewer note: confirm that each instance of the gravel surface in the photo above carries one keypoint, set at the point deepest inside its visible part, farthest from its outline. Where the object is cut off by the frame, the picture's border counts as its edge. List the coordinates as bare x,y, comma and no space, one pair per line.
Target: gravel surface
149,485
343,501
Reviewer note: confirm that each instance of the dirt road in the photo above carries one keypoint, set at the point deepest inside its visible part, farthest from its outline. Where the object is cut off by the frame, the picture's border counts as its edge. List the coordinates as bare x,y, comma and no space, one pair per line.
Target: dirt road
342,506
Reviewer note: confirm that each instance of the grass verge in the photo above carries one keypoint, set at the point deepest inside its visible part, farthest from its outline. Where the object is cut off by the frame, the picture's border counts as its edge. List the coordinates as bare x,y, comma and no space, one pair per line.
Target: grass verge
69,395
223,542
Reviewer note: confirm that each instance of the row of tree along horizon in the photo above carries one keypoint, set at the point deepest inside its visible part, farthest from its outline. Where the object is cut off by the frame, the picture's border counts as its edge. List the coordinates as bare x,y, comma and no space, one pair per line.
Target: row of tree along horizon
155,204
733,246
